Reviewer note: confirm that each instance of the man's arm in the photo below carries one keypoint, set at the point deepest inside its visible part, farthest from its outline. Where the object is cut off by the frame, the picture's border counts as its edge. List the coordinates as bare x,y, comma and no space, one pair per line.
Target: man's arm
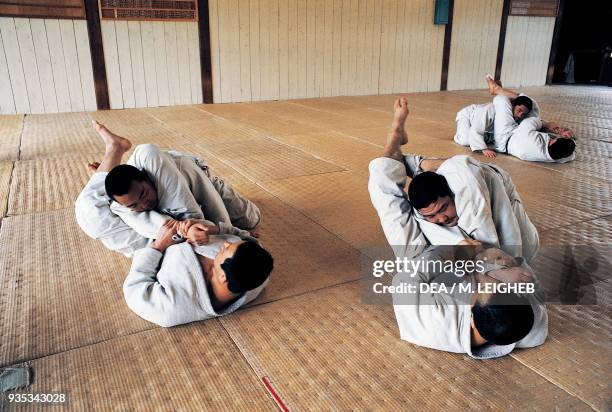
165,303
386,187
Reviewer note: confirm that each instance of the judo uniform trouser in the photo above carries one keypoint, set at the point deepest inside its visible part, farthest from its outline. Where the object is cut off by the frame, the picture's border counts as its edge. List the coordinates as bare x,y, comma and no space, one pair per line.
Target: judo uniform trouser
218,199
504,124
201,194
529,234
473,122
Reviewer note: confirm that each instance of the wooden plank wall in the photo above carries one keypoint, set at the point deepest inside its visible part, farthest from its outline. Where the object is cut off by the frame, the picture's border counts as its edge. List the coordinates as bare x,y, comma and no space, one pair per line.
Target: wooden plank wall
526,52
475,37
45,66
280,49
151,63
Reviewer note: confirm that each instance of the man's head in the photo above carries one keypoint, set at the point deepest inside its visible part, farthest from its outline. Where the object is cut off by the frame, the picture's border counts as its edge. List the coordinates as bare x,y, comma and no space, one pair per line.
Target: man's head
430,195
240,267
559,147
131,187
521,106
502,318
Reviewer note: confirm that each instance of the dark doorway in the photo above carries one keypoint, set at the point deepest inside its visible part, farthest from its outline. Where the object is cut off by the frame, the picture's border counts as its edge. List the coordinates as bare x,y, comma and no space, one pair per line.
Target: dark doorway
584,50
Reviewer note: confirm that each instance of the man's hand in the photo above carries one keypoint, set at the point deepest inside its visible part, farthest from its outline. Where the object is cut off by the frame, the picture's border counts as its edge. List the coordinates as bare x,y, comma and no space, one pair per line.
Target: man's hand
184,225
566,133
199,233
164,237
489,153
518,274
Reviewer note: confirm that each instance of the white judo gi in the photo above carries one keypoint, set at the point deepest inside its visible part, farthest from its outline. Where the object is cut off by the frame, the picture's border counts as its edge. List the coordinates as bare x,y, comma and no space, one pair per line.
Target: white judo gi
441,320
528,143
479,127
487,203
475,126
504,124
169,289
185,190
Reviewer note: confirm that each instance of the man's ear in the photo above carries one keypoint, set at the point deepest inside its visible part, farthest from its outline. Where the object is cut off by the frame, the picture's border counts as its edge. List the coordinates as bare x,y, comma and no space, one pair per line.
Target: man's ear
221,276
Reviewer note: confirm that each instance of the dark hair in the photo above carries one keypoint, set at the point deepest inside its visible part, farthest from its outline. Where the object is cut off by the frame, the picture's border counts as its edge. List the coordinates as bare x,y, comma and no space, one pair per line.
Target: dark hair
426,188
248,268
561,148
523,101
504,319
119,180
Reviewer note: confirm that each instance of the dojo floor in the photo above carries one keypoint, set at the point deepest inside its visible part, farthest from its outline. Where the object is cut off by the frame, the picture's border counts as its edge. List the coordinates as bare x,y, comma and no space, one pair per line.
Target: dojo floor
308,339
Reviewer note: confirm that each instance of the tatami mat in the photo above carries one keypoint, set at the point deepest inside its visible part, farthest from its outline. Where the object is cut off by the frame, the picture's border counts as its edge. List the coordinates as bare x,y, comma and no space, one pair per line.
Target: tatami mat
132,117
347,152
326,350
6,169
584,233
59,289
304,163
338,201
10,134
264,159
307,257
49,183
577,356
189,368
58,135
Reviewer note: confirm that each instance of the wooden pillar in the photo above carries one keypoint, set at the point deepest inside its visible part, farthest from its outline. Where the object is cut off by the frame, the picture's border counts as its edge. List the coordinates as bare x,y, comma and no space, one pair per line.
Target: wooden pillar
205,59
97,54
448,31
502,39
555,43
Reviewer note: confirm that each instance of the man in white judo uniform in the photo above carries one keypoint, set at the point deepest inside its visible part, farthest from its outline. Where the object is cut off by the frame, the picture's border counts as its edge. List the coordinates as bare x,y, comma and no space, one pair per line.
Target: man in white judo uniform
172,281
463,200
483,325
511,124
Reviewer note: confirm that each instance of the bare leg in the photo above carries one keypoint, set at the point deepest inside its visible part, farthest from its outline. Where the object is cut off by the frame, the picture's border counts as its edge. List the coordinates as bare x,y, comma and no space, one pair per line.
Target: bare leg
114,148
397,136
497,89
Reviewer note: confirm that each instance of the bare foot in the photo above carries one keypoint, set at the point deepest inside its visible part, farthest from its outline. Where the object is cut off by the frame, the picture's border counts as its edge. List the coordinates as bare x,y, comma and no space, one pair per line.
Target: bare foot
111,140
93,167
491,84
400,113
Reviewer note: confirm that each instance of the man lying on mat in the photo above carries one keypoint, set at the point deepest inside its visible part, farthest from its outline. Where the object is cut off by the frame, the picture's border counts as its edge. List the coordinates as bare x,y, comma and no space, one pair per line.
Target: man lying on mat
511,124
172,281
463,200
498,308
178,185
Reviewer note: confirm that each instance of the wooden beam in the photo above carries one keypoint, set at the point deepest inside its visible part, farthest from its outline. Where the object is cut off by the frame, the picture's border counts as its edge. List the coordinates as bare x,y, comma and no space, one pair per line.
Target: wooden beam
502,39
448,31
555,43
97,54
205,59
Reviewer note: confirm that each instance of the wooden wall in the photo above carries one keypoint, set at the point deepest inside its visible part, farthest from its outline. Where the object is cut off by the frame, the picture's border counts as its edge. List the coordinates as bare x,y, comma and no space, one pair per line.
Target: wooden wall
268,50
279,49
151,63
526,50
45,66
474,41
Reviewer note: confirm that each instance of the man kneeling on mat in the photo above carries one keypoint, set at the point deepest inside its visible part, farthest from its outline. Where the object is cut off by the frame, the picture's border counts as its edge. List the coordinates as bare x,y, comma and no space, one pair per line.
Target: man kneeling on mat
149,214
